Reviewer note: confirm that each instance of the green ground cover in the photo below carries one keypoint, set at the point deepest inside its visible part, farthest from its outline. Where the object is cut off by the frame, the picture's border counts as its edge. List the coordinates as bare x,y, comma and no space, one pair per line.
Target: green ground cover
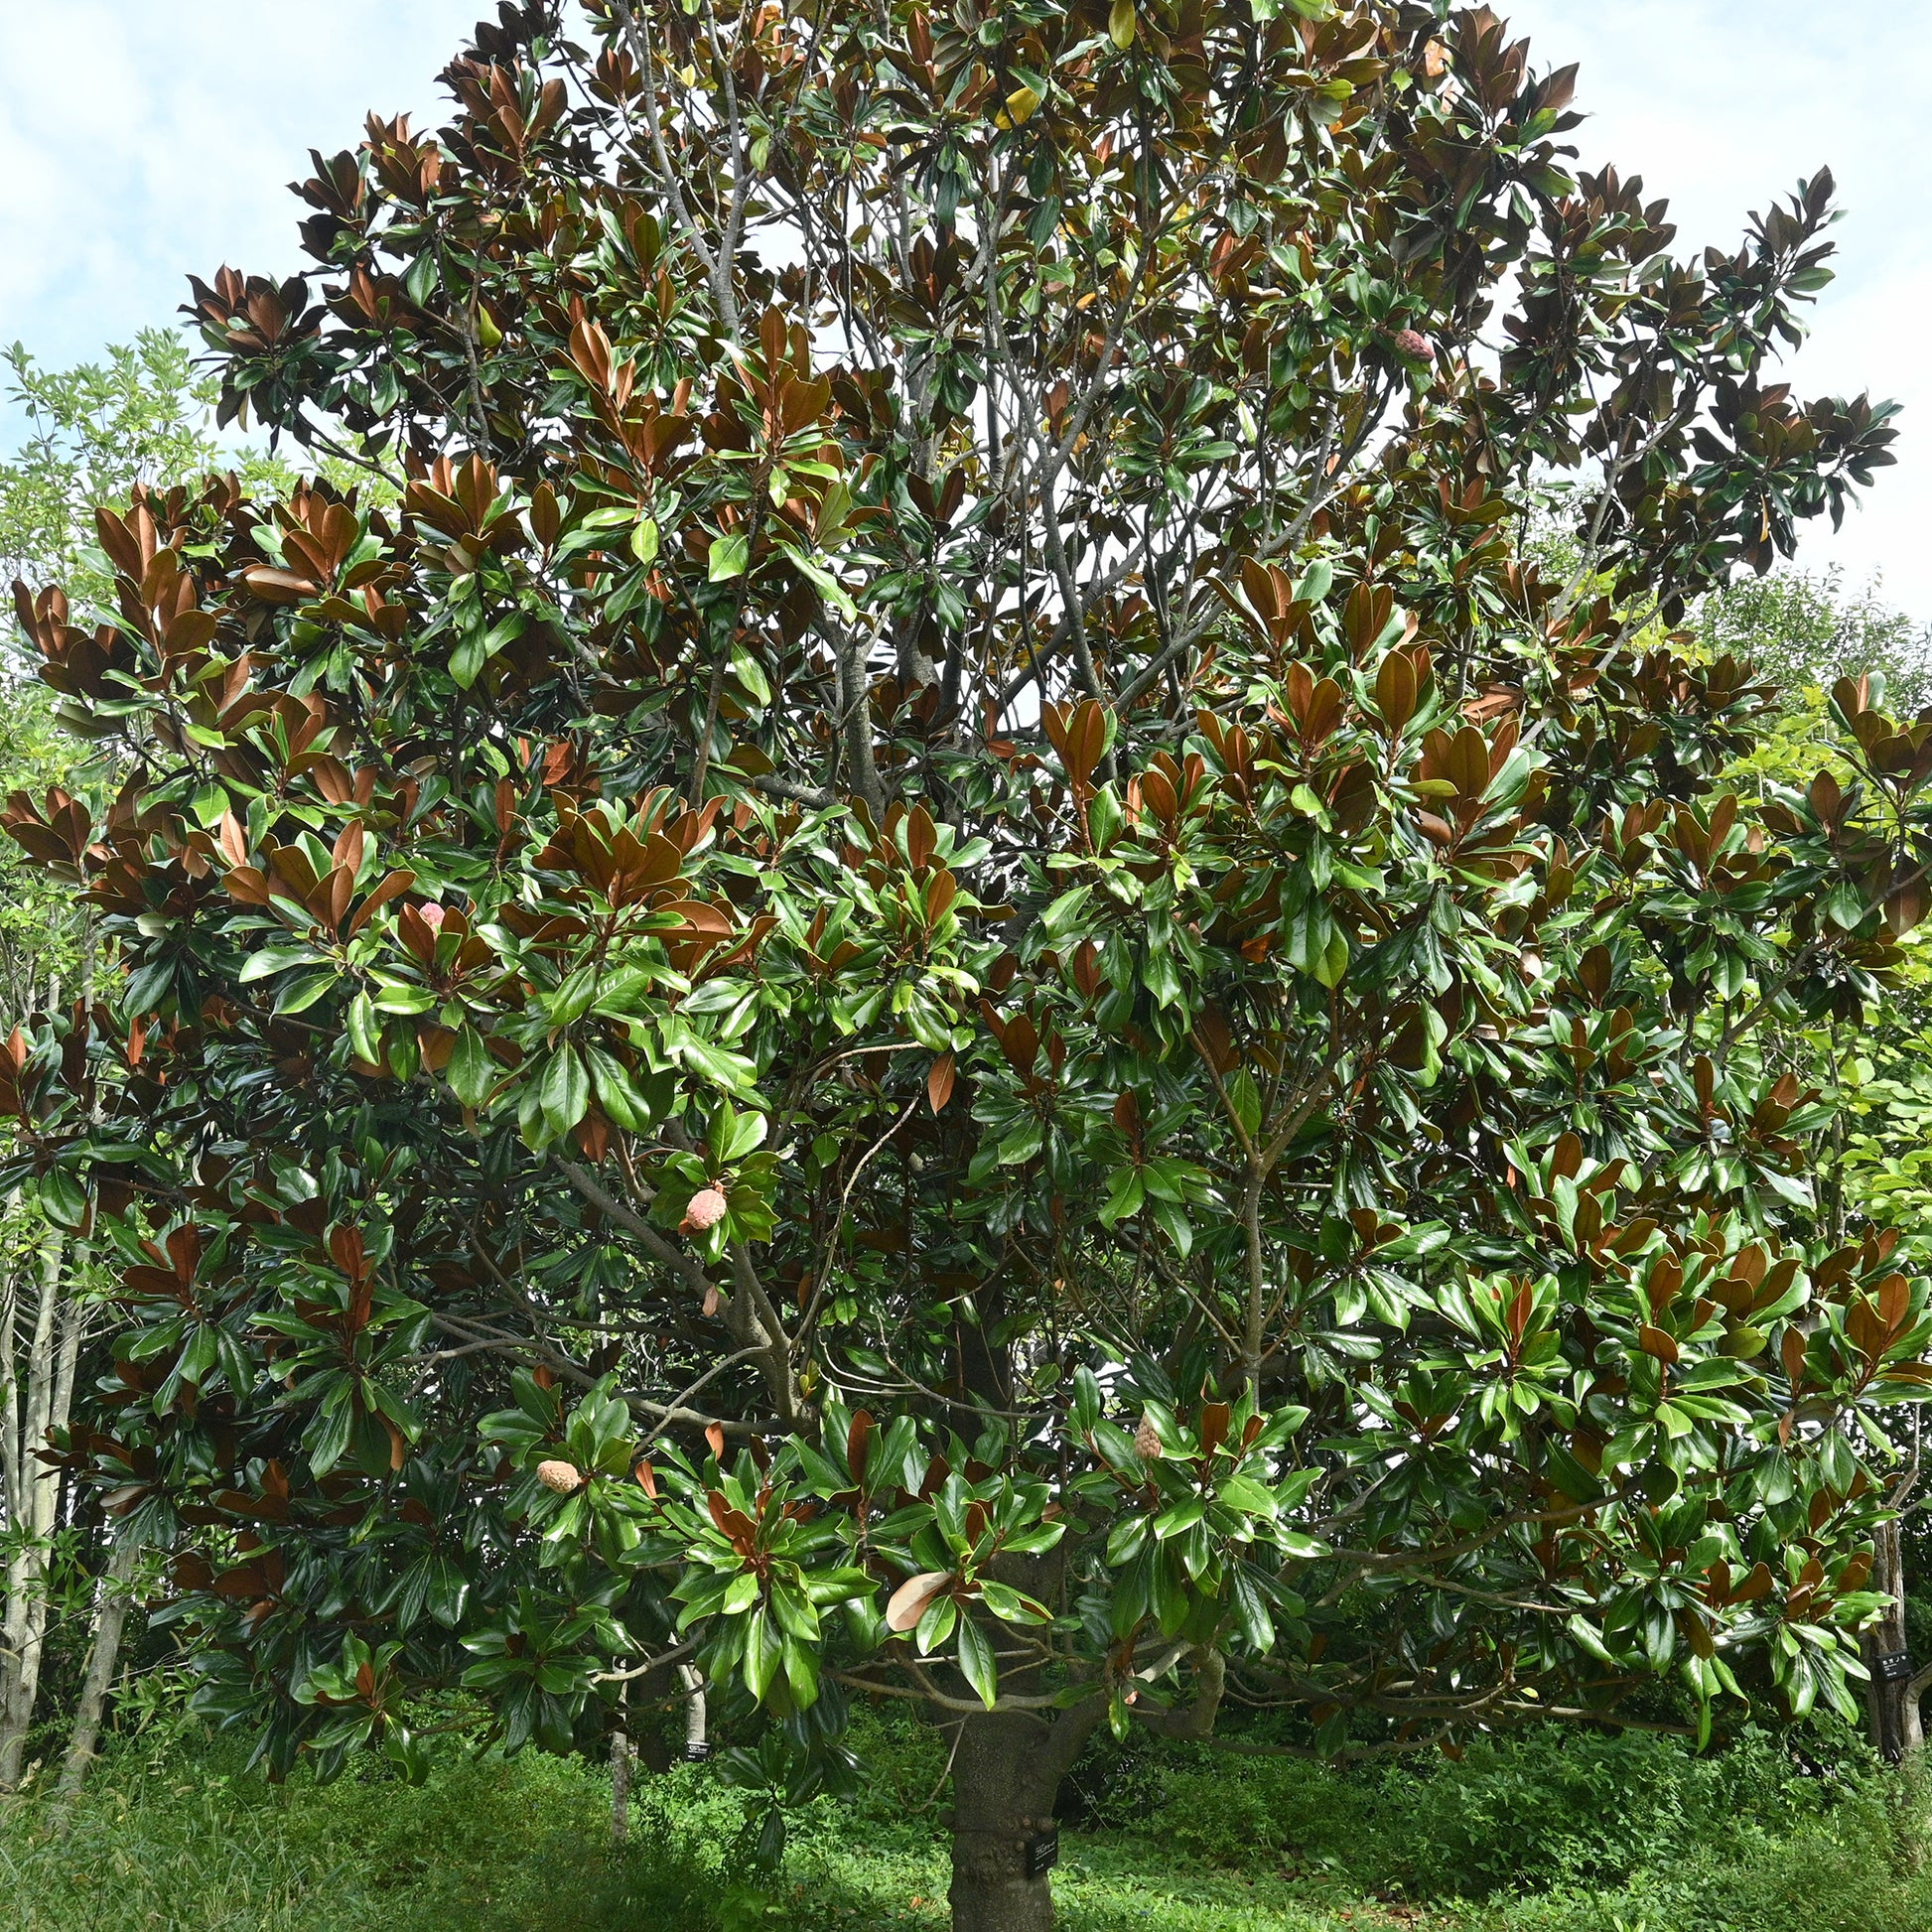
1538,1834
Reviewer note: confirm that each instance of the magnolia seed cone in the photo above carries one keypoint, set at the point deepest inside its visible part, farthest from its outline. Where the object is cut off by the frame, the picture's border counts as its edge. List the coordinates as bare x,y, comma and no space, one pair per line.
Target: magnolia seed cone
705,1209
1146,1441
563,1478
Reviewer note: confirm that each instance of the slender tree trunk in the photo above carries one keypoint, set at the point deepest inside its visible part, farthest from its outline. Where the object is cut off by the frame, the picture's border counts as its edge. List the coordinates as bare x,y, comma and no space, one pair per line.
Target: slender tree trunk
621,1776
44,1395
103,1660
855,697
1893,1692
697,1719
651,1747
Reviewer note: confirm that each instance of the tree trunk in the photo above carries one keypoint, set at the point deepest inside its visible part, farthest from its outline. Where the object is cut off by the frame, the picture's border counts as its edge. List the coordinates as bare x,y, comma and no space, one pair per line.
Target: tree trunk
103,1660
38,1400
1002,1803
620,1782
1007,1770
854,702
1893,1692
697,1721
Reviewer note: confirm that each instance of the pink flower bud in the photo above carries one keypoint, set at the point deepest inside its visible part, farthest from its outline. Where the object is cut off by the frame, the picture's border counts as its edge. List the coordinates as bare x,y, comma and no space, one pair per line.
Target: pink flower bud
1412,341
705,1209
563,1478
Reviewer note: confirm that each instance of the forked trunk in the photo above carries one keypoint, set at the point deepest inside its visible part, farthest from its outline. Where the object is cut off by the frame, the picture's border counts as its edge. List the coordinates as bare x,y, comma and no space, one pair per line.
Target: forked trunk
1004,1780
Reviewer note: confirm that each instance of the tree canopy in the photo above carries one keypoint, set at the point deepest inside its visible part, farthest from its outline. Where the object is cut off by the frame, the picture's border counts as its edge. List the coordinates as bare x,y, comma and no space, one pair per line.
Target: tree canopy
943,974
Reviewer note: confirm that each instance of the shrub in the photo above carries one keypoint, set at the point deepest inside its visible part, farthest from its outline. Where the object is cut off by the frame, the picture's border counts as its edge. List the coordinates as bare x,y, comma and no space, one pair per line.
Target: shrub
1539,1809
190,1839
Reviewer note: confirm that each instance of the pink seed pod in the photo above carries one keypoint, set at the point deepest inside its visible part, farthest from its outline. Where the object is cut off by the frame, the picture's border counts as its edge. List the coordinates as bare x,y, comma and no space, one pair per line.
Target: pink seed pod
1146,1441
1412,341
564,1477
705,1210
432,917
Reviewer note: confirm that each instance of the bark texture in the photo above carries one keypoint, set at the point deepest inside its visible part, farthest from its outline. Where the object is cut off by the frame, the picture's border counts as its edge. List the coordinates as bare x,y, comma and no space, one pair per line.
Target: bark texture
1003,1798
620,1785
697,1735
103,1660
1893,1703
39,1342
1006,1771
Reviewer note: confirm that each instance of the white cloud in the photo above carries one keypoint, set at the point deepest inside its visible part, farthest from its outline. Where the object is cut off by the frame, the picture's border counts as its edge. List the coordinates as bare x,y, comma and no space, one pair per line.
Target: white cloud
1722,105
143,142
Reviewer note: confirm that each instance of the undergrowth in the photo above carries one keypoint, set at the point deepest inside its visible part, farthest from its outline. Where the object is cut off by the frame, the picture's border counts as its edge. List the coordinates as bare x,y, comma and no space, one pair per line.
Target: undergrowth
1543,1832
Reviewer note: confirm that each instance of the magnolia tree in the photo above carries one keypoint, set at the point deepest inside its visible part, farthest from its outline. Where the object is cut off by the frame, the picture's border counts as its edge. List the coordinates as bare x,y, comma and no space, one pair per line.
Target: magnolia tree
942,976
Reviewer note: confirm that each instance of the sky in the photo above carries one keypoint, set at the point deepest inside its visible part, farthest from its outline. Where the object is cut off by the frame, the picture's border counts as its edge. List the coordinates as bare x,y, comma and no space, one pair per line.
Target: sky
1722,106
141,143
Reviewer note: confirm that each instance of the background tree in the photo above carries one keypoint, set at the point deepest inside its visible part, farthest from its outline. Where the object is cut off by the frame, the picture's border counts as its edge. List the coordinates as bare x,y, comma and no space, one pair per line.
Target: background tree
94,434
1805,633
143,415
945,979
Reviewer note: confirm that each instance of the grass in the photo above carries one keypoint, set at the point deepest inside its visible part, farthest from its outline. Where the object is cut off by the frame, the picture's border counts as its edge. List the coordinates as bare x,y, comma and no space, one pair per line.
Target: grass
1542,1834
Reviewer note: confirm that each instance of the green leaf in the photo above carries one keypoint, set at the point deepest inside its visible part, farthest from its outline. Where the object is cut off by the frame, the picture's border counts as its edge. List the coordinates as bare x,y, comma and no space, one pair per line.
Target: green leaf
1011,1605
63,1199
1125,1192
565,1093
1175,1224
617,1092
729,557
750,674
1239,1492
1316,582
1586,1635
277,959
976,1663
1251,1611
1245,1102
403,999
735,1134
764,1654
364,1035
936,1624
298,995
471,1072
467,659
801,1673
1179,1516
